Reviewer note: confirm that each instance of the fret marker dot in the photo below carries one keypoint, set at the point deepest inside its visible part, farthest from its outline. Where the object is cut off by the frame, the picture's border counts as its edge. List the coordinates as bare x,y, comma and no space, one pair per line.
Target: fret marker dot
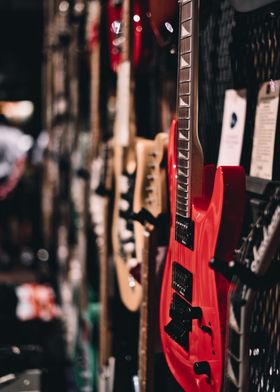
169,27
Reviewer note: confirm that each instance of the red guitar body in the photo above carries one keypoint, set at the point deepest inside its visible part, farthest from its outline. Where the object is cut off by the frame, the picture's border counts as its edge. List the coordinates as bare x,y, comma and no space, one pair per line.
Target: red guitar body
141,34
217,217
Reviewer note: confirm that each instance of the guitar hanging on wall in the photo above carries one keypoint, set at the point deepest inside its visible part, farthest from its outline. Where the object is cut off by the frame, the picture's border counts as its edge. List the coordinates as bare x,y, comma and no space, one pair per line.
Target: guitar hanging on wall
124,156
151,219
206,215
100,196
255,271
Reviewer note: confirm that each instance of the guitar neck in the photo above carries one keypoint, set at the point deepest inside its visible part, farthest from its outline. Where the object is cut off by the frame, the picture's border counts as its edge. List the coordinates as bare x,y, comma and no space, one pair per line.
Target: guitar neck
93,38
189,152
124,127
147,313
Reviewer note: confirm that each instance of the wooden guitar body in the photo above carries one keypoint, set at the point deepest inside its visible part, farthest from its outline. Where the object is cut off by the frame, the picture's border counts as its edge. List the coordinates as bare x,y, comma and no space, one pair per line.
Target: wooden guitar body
122,228
193,298
150,192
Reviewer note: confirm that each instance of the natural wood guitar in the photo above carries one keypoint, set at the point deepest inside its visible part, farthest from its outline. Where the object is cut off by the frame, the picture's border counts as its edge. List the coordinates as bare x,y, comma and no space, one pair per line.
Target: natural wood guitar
150,211
124,172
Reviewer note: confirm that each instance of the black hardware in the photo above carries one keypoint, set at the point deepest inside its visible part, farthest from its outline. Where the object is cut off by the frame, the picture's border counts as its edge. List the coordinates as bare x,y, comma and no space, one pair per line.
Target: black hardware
182,281
202,368
184,232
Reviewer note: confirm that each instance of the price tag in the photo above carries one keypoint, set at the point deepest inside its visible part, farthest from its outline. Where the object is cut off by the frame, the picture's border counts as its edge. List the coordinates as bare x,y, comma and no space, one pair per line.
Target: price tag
233,127
265,131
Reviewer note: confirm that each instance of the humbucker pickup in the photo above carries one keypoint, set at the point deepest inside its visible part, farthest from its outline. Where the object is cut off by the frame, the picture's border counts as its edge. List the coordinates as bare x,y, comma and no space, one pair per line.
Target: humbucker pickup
184,231
182,281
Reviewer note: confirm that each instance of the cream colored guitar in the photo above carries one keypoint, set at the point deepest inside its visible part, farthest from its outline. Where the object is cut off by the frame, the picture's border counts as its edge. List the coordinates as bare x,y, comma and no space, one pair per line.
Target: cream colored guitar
124,173
150,211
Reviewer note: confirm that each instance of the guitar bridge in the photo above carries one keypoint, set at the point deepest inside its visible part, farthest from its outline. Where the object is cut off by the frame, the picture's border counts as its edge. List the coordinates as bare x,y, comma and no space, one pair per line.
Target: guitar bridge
182,314
184,231
180,325
182,281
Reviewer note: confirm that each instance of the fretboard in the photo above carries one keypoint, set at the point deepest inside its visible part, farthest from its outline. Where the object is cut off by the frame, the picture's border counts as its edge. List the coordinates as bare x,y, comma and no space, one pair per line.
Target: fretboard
186,101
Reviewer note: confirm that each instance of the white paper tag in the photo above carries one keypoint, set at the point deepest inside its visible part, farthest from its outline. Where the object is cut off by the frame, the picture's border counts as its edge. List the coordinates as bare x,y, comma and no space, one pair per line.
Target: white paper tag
265,130
233,127
121,126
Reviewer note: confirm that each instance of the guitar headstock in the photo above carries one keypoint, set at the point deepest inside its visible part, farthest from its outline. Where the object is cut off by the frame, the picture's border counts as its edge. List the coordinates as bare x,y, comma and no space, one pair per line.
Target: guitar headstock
150,187
93,21
140,33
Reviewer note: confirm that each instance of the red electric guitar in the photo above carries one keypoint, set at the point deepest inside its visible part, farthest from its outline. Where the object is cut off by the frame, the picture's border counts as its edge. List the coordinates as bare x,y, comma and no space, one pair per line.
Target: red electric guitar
206,215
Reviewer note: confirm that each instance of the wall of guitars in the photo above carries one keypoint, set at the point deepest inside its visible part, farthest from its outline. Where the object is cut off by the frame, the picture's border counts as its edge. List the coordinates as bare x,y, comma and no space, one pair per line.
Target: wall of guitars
161,192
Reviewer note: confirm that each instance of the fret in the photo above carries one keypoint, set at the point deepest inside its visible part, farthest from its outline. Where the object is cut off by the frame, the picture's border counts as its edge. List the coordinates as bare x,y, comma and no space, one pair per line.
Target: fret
183,180
182,194
184,112
185,60
186,29
183,156
182,201
184,100
184,171
182,145
183,214
185,74
186,11
185,45
183,163
184,135
184,88
181,188
183,204
183,124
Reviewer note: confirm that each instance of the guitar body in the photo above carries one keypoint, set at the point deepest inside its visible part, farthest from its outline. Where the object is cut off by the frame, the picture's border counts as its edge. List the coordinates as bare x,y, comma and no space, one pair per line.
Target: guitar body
217,217
122,228
150,193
